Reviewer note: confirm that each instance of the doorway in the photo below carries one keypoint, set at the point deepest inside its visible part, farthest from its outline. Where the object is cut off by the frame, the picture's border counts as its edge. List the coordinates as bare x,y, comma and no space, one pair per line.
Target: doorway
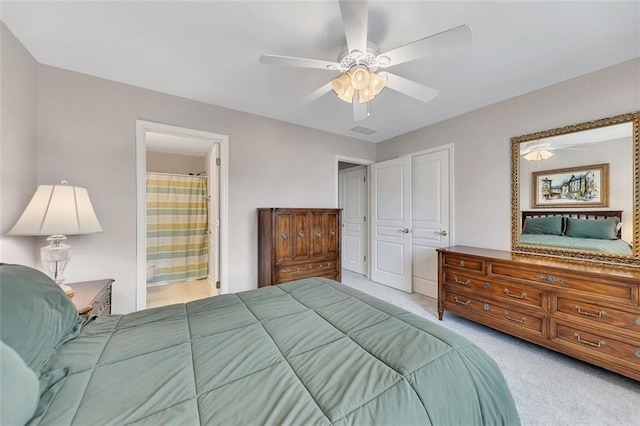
353,198
181,225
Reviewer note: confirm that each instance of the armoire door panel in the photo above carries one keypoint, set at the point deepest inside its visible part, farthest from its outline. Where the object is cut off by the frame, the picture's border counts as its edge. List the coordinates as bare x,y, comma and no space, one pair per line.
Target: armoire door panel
301,235
284,247
318,233
332,231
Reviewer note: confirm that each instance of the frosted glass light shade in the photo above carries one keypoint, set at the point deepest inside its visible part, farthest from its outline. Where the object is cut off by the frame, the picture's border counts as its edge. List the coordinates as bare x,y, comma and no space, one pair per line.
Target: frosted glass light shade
538,155
58,210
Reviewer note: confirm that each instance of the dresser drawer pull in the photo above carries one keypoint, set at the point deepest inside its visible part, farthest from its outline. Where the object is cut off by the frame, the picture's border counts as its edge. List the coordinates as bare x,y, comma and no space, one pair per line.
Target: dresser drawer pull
600,344
523,319
515,296
638,321
486,285
289,271
590,314
461,263
549,278
457,281
318,233
637,353
332,232
467,303
300,234
325,266
283,235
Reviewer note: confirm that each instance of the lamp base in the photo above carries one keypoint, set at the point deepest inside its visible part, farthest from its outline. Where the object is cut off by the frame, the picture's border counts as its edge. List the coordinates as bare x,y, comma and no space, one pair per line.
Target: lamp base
68,290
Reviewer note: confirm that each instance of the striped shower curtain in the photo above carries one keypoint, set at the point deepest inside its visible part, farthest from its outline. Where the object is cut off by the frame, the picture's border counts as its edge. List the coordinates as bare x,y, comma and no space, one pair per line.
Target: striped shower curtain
177,226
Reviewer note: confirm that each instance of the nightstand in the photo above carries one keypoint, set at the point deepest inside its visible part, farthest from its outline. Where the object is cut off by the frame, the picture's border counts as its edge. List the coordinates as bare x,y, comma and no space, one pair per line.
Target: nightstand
92,297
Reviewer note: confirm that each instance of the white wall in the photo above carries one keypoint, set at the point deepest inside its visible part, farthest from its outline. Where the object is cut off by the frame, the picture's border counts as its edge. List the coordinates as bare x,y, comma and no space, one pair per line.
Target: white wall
482,143
86,134
17,145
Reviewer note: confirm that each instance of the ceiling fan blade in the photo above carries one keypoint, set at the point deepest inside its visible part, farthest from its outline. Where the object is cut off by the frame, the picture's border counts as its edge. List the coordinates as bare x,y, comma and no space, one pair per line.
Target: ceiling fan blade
445,41
360,111
410,88
289,61
320,91
354,17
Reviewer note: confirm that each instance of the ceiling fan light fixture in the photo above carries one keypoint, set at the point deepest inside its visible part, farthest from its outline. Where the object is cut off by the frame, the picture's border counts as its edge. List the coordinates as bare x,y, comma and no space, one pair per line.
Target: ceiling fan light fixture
347,95
377,82
365,95
538,155
341,84
360,77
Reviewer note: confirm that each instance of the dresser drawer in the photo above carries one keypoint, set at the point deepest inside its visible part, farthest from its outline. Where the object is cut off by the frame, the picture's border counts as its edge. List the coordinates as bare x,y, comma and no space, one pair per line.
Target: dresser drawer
304,270
619,321
464,263
596,343
619,292
503,314
522,295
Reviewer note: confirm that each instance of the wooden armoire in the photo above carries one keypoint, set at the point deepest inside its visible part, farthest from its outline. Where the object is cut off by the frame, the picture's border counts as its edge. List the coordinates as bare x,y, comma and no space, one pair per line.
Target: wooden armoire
295,243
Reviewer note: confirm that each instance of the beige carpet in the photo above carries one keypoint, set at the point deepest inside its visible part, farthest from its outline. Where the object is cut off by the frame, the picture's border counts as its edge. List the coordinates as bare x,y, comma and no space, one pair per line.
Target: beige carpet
549,388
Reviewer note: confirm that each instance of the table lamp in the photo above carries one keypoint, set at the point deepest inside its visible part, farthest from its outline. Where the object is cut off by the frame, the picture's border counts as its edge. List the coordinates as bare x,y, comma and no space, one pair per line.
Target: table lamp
57,211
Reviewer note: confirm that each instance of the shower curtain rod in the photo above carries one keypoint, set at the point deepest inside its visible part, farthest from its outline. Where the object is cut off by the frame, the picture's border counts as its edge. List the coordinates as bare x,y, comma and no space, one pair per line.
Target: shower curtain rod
179,174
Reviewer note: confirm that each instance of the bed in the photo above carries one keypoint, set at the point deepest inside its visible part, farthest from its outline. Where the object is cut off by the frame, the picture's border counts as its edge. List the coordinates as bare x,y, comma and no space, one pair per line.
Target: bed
312,351
599,231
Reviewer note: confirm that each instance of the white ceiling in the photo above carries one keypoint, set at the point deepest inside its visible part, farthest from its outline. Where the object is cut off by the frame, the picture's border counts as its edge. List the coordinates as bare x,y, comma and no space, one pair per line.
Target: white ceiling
209,50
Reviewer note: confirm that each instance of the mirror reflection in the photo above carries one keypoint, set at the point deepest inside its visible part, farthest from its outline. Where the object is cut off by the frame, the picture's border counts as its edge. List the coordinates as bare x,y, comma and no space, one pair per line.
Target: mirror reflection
574,191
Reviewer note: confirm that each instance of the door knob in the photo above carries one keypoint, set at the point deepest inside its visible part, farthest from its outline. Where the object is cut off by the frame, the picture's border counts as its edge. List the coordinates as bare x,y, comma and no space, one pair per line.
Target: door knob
442,233
404,230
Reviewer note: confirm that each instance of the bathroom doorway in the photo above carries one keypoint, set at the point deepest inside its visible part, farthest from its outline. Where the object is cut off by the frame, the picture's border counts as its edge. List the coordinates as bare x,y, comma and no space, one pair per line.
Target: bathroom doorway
181,183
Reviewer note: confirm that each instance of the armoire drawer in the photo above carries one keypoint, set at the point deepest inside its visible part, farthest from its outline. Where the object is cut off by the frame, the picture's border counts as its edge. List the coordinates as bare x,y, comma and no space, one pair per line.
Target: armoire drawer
619,292
302,270
504,314
619,321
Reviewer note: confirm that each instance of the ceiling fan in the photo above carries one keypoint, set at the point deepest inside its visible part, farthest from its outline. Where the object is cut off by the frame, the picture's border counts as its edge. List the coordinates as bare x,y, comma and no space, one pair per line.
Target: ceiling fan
360,61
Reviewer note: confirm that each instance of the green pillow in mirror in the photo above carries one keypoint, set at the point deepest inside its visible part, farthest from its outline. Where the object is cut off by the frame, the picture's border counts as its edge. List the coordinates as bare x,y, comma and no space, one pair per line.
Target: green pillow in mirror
551,225
602,229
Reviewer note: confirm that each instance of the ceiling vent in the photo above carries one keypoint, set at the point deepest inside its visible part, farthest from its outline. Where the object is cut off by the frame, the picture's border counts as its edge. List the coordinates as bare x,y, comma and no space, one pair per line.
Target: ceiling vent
364,130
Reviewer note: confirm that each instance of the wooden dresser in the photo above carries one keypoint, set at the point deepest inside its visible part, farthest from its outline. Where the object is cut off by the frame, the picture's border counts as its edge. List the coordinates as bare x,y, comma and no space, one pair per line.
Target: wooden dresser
298,243
590,312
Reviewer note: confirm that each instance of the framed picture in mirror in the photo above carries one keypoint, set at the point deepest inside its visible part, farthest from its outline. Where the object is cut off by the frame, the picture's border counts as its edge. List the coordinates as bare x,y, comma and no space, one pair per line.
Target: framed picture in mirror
584,186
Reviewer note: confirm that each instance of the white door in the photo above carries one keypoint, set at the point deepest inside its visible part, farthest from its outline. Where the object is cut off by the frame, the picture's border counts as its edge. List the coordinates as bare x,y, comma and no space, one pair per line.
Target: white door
390,223
353,202
430,217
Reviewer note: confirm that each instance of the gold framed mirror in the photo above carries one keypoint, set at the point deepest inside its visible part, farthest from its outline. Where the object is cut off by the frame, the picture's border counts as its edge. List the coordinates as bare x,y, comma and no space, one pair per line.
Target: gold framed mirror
575,191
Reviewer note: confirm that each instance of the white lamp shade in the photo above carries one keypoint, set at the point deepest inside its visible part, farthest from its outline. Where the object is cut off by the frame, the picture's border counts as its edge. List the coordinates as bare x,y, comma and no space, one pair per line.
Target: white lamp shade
58,209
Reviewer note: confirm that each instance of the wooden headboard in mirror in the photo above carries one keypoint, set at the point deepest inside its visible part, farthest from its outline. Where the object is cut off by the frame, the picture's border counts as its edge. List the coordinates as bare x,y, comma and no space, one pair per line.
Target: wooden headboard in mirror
575,191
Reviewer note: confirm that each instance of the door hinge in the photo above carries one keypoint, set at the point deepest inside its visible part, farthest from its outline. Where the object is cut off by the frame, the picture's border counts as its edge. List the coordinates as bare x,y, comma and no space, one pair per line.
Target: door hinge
364,219
364,179
365,258
217,284
217,161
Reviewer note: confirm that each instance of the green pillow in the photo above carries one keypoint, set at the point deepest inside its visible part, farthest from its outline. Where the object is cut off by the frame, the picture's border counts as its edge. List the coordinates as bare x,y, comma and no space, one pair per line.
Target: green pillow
19,388
36,316
550,225
602,229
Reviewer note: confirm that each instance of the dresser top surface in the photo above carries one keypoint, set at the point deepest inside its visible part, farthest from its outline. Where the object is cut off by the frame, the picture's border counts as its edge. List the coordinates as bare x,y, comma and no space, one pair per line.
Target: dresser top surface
584,266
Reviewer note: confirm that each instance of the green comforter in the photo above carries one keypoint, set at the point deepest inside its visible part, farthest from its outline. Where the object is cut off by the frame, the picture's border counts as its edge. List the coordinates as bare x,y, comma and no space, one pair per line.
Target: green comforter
588,244
309,352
